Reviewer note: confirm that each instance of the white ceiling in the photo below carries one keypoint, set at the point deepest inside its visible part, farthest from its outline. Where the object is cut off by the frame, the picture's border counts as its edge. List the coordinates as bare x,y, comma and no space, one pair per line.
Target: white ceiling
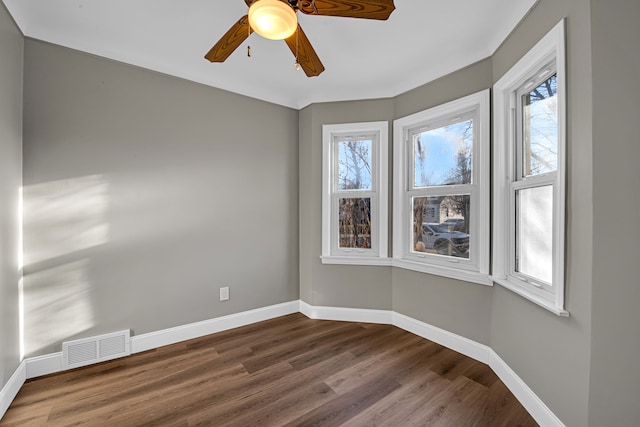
423,40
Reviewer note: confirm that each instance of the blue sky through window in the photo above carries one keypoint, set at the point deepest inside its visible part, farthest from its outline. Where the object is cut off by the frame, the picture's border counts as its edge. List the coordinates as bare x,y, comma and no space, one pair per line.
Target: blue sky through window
438,152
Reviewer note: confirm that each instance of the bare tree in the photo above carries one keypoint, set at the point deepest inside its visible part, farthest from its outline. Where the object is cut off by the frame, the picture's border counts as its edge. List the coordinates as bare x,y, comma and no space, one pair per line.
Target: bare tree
354,165
355,223
354,227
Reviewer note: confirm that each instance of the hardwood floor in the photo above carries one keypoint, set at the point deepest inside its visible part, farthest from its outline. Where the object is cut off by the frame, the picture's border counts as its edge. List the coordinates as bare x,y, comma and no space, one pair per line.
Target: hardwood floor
289,371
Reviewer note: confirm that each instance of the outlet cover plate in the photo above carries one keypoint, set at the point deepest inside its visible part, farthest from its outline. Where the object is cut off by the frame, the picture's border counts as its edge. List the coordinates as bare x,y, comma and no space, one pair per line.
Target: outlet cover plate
224,293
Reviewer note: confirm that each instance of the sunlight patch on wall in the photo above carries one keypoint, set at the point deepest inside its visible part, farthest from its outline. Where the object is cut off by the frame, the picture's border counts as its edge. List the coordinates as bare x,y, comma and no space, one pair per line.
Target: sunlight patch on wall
57,305
62,219
65,216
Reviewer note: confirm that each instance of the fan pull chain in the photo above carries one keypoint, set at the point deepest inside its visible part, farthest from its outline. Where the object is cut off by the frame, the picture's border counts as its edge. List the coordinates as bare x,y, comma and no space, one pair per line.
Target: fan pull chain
248,46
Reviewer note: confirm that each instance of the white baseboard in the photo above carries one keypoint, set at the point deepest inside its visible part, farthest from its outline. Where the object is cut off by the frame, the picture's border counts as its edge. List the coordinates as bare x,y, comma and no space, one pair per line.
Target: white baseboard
531,402
44,365
384,317
198,329
51,363
470,348
12,387
450,340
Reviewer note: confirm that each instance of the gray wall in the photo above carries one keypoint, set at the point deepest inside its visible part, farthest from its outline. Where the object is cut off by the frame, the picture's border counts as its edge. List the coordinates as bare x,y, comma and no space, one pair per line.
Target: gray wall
615,346
334,285
11,47
551,354
144,194
460,307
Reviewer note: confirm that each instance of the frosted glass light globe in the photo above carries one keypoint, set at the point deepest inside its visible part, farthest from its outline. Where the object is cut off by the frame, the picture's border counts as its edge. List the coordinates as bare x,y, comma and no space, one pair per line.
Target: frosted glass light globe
273,19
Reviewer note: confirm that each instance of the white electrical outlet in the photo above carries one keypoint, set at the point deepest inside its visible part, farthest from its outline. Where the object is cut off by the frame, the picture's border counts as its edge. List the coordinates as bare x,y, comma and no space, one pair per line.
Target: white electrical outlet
224,293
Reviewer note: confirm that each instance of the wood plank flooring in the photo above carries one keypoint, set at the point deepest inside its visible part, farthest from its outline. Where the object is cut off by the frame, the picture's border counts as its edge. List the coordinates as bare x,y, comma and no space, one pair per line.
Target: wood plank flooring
289,371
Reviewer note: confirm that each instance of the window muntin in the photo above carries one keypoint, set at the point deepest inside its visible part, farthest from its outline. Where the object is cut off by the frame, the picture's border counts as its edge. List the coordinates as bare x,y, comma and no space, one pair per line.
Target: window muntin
441,194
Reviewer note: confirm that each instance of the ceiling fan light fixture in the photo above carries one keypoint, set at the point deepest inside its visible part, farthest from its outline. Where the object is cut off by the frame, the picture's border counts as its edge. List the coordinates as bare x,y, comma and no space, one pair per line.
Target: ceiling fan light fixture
273,19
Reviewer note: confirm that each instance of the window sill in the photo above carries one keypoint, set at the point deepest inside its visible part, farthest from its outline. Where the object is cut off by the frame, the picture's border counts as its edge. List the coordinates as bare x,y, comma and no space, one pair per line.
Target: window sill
536,299
464,275
355,260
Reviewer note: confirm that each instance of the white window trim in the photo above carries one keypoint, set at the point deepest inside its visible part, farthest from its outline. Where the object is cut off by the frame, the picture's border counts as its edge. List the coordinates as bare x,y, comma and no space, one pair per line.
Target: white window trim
550,47
378,254
476,271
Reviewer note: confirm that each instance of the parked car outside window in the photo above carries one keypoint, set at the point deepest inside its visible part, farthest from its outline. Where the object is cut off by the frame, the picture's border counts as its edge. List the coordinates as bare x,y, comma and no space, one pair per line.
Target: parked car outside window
454,224
436,238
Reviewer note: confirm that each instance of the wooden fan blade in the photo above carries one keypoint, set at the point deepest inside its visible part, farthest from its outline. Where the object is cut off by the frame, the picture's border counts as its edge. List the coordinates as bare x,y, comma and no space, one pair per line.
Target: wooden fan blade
230,41
307,56
366,9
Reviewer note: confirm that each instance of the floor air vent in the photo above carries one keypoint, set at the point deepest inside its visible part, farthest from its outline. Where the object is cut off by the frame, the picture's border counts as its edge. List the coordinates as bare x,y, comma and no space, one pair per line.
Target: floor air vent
95,349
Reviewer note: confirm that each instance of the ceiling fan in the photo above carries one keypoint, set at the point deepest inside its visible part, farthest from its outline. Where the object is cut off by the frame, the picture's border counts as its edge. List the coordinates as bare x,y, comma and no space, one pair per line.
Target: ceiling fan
277,20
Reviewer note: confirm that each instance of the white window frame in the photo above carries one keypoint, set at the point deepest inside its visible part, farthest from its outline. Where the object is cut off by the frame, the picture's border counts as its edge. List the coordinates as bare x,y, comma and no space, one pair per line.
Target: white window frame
476,268
550,49
331,253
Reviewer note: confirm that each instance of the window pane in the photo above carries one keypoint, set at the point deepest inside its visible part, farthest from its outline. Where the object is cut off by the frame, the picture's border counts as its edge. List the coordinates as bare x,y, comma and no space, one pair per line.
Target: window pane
540,126
354,164
354,224
441,225
534,232
442,156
